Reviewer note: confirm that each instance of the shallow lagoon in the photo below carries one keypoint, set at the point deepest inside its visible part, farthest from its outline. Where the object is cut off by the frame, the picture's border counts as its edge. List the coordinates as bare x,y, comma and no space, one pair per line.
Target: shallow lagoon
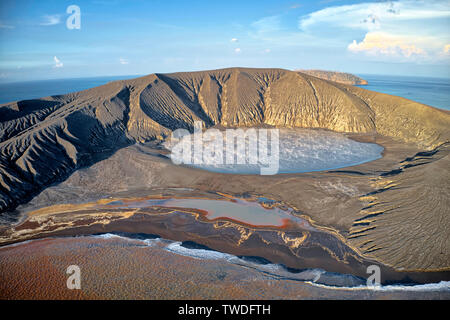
247,212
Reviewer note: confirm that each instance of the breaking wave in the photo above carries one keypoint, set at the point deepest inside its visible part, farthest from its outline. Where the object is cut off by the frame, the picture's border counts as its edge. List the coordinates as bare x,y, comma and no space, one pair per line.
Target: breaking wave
439,286
316,277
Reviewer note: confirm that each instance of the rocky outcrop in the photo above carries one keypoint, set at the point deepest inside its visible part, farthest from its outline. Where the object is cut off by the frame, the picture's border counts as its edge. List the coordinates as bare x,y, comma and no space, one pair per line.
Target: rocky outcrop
340,77
43,141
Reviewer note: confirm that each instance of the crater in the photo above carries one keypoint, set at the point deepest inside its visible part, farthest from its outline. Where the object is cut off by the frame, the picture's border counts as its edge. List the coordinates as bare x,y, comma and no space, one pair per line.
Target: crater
299,151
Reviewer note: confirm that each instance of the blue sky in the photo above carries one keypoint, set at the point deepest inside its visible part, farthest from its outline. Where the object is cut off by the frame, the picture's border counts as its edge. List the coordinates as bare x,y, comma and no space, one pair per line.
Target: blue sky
135,37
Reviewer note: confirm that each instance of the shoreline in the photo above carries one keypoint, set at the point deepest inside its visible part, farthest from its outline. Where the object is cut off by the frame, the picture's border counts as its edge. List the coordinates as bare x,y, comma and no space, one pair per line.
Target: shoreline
142,267
295,248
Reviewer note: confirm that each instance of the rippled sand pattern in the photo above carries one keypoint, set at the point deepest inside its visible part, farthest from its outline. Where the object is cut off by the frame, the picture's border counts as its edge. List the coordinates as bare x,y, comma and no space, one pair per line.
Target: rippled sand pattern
130,269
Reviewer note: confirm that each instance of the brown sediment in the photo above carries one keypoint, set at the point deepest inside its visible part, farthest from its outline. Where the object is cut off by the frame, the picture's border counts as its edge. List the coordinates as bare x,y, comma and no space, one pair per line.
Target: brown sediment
187,224
103,211
112,270
291,246
286,222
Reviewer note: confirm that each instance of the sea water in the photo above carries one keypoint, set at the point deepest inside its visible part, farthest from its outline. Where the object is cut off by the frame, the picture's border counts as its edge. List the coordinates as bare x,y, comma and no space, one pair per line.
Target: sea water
434,92
431,91
17,91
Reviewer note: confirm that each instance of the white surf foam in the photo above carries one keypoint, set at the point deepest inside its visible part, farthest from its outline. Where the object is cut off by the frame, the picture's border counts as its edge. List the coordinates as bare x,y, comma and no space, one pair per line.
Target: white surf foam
310,276
147,242
439,286
177,248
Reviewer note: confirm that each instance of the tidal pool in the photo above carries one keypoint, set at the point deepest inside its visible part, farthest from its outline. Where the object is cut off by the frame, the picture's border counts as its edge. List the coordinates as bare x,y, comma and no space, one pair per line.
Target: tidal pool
299,150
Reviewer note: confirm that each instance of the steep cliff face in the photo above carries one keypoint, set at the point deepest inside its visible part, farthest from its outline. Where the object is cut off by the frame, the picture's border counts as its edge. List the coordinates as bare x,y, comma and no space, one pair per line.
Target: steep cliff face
43,141
304,101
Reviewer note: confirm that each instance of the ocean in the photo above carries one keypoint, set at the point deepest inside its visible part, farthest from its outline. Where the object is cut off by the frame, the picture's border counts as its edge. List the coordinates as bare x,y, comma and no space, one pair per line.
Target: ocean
16,91
431,91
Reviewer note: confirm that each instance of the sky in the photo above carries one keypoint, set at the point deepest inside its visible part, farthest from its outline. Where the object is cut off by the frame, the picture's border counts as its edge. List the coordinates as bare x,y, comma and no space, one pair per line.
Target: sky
49,40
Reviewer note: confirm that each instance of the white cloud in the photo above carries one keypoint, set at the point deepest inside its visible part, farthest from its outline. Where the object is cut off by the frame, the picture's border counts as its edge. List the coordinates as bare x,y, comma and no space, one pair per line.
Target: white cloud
58,63
6,26
370,16
267,25
267,50
237,50
234,40
50,20
446,49
384,44
123,61
404,30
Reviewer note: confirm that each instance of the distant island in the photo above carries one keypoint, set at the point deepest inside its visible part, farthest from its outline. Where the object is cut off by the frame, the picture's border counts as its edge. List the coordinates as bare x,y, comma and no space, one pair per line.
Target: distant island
340,77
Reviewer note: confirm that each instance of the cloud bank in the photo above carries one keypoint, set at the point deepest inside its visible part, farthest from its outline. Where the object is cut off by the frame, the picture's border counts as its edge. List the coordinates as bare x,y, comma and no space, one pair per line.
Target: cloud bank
379,43
410,30
50,20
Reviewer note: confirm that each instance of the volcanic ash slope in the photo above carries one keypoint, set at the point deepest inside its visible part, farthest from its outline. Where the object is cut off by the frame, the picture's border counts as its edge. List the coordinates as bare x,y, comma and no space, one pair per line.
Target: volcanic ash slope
43,141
